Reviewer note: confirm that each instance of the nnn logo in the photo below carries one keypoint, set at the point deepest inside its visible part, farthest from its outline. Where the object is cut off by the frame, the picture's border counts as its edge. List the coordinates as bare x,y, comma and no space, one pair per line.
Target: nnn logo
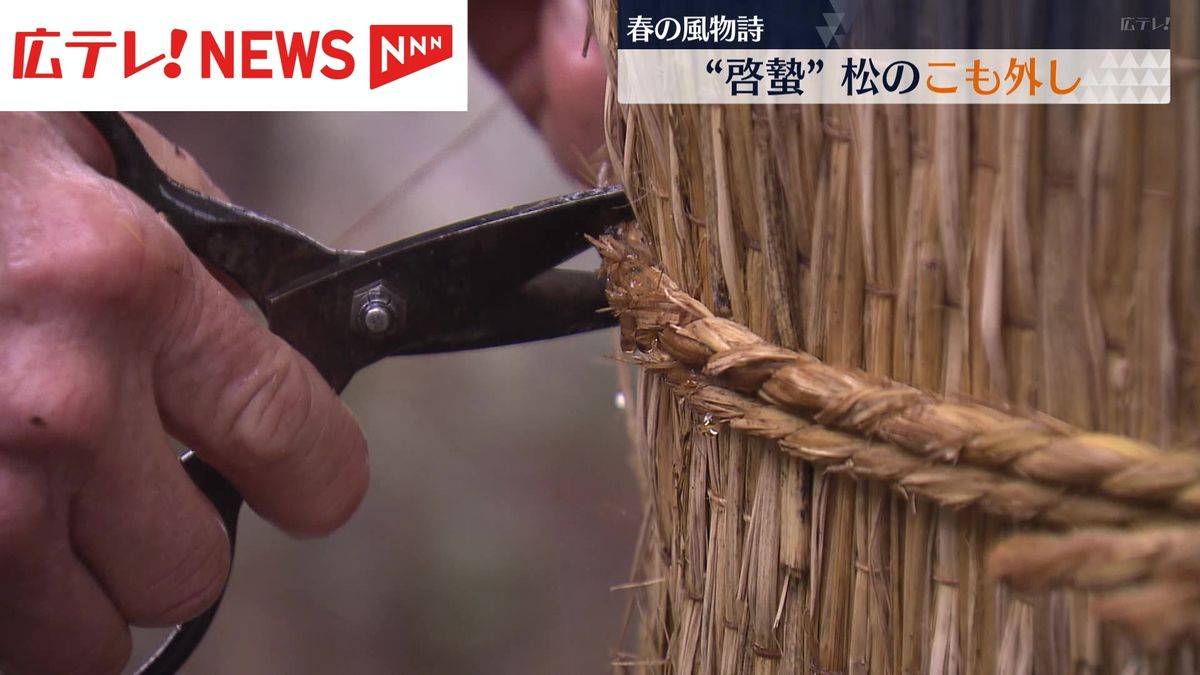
397,51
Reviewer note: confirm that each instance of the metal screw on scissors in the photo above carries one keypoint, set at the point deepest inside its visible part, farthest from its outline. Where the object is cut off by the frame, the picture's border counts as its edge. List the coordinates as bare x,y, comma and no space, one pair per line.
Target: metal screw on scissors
378,310
377,318
484,282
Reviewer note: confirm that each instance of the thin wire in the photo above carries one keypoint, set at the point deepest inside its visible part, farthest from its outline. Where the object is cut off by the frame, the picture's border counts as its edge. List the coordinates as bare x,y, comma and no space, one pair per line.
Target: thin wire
414,177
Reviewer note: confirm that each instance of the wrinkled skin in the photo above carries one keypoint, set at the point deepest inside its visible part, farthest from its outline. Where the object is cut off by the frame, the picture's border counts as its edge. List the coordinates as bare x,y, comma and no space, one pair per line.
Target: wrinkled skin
113,338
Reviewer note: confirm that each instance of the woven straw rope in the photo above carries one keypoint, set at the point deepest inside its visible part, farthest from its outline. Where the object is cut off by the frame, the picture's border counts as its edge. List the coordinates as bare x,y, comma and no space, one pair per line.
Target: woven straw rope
1039,257
956,454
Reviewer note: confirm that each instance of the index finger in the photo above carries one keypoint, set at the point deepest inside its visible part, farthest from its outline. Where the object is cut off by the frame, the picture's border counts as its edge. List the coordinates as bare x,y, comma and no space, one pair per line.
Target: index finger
257,411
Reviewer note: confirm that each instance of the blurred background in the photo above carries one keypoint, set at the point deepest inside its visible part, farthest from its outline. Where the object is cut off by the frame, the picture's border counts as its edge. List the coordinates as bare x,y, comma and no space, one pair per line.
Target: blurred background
502,506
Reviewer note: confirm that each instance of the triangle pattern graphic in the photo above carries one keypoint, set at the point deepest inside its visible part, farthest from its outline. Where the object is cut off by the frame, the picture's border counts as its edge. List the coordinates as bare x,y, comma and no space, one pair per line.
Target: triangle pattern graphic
1130,79
1109,79
1149,96
1129,61
1129,97
1149,79
826,34
834,20
1109,61
1149,61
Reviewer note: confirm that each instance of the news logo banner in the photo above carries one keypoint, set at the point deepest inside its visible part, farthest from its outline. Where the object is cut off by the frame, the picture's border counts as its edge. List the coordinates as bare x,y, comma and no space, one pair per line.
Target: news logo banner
852,51
354,55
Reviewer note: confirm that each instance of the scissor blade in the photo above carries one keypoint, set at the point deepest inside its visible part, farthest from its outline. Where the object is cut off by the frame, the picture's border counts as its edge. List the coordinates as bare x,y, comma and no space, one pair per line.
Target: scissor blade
554,304
499,251
443,286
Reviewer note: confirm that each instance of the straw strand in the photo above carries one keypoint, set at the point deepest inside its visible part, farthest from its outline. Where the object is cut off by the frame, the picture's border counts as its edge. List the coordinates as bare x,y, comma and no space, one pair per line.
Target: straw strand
933,431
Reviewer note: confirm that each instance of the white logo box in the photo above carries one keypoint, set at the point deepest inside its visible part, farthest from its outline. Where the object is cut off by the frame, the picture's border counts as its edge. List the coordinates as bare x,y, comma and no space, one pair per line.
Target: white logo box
269,30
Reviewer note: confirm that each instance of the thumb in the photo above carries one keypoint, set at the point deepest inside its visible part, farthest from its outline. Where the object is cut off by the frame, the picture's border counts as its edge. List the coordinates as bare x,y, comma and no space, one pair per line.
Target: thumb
176,162
572,116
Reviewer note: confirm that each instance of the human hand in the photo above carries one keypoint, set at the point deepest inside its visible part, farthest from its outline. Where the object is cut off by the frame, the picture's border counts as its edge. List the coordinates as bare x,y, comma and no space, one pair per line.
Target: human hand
112,338
534,48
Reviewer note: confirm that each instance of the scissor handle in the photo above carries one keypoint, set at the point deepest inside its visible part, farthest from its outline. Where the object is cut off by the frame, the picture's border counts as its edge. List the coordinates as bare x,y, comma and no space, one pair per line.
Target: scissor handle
259,253
184,638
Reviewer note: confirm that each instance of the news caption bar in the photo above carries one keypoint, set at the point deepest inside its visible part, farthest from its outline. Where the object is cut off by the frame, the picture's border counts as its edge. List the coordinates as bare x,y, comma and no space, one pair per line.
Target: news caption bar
840,51
353,55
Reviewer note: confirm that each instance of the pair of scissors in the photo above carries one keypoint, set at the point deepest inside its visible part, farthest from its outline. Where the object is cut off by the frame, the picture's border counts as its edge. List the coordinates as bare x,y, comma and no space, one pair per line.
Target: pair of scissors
483,282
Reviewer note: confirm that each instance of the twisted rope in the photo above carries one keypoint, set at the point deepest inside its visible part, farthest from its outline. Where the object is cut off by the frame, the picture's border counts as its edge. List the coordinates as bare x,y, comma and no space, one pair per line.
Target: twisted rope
1146,580
955,452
